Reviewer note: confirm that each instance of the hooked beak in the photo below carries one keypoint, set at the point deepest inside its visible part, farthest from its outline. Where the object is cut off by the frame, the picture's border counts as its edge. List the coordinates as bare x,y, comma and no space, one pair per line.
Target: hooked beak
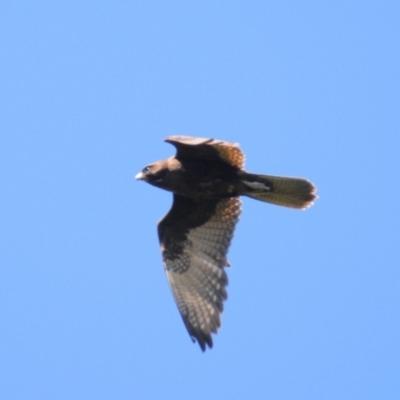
139,176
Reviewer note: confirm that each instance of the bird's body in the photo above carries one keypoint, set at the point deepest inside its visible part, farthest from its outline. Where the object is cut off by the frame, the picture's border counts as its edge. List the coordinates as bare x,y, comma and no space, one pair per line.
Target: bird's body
191,178
206,177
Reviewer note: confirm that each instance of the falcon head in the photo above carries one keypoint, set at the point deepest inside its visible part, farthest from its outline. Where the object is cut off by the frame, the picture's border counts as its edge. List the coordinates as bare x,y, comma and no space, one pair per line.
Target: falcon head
154,173
162,174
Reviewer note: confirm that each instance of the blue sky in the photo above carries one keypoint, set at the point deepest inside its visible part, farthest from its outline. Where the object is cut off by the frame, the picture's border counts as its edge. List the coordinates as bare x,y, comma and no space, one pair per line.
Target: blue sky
89,90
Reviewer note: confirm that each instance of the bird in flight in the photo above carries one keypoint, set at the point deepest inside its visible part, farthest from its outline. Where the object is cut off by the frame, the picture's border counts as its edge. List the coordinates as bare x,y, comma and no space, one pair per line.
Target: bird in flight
207,178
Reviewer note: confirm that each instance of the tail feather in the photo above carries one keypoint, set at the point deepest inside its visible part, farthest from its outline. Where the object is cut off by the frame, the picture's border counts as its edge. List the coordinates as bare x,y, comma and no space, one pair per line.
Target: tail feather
282,191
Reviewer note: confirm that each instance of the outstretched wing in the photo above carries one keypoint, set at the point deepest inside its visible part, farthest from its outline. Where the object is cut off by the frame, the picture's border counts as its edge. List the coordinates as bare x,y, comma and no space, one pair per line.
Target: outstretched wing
207,149
195,236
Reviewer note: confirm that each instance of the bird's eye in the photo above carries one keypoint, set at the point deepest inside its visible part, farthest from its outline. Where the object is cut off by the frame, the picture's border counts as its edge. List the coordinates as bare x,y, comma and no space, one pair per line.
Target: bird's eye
146,169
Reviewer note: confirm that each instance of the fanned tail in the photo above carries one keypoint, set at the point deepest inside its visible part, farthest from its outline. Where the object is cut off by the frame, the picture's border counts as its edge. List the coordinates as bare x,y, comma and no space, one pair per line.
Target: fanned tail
289,192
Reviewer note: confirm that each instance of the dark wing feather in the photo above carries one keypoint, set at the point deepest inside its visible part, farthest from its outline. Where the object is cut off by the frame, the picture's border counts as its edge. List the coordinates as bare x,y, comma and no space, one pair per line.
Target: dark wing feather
195,236
207,149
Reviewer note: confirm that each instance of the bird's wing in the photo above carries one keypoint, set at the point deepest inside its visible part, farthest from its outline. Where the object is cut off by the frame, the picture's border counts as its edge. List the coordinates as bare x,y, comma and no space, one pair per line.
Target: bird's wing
195,236
207,149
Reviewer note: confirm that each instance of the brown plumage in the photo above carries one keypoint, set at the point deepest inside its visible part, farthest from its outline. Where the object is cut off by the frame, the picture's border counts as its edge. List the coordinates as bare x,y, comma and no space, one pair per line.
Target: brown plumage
206,177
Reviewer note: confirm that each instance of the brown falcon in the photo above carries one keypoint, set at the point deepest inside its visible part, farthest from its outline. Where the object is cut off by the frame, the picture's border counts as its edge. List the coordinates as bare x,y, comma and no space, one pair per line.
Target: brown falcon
206,177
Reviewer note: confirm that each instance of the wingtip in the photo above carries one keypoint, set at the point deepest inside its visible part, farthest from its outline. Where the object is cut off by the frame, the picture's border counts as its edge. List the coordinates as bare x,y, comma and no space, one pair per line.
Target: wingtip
194,140
203,339
203,342
188,140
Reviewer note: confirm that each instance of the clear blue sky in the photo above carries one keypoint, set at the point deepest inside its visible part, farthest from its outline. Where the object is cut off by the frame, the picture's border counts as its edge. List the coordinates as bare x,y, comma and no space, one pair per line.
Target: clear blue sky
89,90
